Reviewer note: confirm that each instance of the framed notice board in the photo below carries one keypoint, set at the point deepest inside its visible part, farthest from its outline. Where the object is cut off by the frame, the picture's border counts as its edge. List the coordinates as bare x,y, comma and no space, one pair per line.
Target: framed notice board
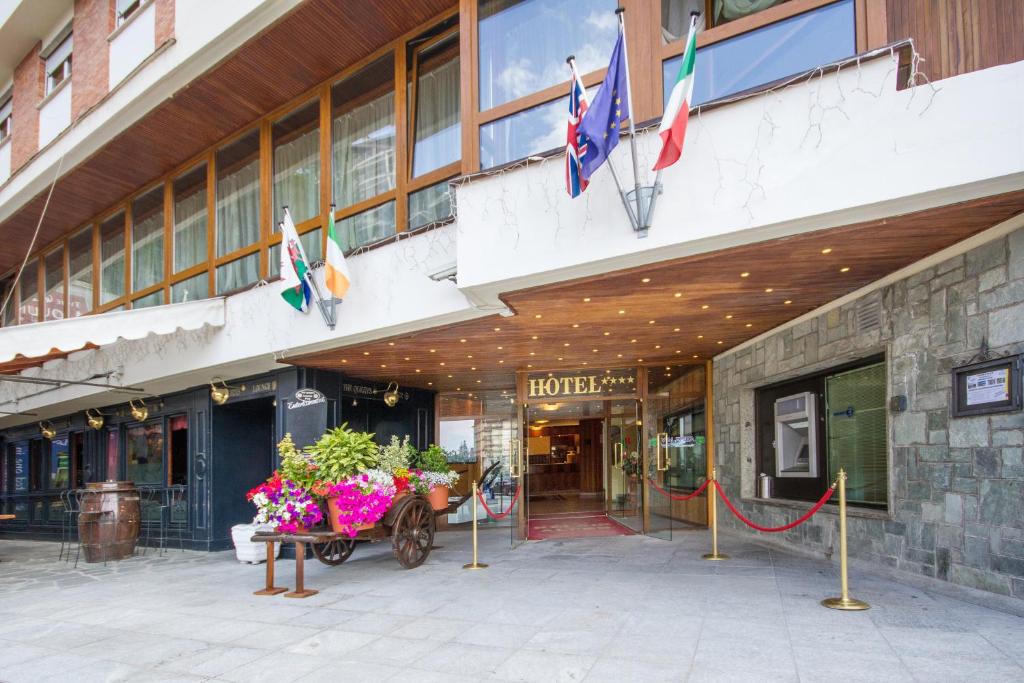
991,386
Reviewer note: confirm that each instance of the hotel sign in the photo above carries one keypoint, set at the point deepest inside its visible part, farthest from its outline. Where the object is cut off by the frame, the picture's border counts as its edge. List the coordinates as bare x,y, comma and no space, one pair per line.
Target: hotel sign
580,383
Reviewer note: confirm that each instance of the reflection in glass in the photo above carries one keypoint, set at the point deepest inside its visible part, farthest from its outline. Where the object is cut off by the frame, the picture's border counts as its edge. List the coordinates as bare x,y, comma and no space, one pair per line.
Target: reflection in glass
367,227
363,133
438,139
238,194
60,463
112,258
524,43
148,239
144,453
11,311
238,274
296,143
192,289
675,18
154,299
53,303
767,54
80,273
190,218
430,205
28,289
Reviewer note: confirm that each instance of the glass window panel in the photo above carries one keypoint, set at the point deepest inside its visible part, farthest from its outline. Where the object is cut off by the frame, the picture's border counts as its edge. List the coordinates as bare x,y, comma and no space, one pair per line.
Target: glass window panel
190,218
856,422
523,44
531,131
728,10
311,244
274,261
367,227
8,301
28,295
238,274
296,142
112,258
144,449
178,447
438,138
769,53
148,239
53,305
430,205
154,299
363,133
192,289
675,18
80,273
238,194
60,463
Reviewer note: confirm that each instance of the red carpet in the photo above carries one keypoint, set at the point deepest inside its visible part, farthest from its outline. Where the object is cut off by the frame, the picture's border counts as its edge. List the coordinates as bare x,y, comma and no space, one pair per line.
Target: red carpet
575,525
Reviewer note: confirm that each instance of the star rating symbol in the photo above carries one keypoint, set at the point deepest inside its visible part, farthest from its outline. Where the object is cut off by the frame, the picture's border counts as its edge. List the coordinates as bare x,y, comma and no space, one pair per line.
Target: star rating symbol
604,380
631,380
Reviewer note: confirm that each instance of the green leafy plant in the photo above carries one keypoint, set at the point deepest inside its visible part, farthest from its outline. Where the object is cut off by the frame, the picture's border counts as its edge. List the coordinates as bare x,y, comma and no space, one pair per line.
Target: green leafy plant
434,459
396,455
342,452
297,466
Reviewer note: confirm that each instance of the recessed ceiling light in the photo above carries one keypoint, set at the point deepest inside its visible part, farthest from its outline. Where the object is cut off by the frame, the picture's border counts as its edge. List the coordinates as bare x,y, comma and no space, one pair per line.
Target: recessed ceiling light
695,355
500,362
607,333
586,299
676,329
677,294
469,356
462,341
433,350
532,353
768,290
478,382
619,355
430,384
720,341
787,302
645,280
343,360
594,350
383,365
391,343
407,358
497,329
473,369
632,341
844,269
565,344
639,360
826,250
700,336
705,307
650,322
533,337
366,353
417,369
679,350
528,365
750,325
744,274
560,358
729,317
584,362
442,362
501,348
622,312
657,346
537,316
575,324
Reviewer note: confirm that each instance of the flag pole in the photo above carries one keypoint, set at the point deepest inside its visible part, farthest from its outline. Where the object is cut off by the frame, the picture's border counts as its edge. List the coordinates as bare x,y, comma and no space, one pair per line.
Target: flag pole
328,315
621,13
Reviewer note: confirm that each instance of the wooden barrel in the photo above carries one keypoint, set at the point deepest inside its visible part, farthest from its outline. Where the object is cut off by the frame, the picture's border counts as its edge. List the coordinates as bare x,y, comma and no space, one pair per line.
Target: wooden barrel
108,522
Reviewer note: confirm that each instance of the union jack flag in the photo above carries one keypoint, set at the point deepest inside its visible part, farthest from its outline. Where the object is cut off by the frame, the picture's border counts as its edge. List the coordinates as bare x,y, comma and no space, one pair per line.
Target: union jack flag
575,144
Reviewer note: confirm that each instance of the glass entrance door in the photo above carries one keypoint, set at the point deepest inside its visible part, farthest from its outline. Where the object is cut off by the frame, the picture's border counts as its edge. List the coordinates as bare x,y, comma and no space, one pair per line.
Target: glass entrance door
623,464
518,474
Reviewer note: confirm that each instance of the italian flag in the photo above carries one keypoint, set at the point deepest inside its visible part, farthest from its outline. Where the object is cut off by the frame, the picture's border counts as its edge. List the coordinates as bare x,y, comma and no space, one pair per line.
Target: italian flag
336,275
677,112
294,267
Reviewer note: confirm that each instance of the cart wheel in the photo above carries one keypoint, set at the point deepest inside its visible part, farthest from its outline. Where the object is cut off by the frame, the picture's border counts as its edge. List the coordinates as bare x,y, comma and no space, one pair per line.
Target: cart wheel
334,552
413,533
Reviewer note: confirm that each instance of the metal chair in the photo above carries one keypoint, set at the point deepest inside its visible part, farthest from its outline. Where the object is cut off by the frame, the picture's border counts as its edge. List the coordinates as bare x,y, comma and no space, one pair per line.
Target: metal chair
152,517
176,499
69,522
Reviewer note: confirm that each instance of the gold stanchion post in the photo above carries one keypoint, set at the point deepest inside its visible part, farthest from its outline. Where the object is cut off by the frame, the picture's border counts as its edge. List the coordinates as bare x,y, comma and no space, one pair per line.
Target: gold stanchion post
474,564
844,601
714,554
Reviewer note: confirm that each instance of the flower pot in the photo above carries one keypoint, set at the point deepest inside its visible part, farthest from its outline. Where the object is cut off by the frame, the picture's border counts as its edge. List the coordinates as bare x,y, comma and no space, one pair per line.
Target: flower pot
299,529
399,496
245,549
438,497
364,527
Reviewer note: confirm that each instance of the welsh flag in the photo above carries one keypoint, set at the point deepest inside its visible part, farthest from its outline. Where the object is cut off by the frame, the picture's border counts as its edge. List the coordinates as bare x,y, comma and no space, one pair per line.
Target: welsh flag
677,112
336,275
294,267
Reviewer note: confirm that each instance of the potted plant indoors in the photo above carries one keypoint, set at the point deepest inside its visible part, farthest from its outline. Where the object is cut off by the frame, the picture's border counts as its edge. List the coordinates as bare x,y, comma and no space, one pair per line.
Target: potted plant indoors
437,474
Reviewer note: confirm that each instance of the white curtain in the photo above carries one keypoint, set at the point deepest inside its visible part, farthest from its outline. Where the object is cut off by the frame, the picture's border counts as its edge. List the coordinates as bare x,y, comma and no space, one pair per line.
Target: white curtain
238,208
367,227
112,260
728,10
438,137
190,229
148,251
297,176
238,274
363,151
675,18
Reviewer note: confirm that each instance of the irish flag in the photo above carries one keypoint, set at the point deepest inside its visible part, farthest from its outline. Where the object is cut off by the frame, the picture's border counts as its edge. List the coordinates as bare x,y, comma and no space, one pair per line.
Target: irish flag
677,112
336,275
294,282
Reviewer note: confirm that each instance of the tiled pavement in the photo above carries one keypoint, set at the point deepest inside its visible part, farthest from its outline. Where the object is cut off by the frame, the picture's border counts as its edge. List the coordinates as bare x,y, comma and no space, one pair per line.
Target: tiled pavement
607,609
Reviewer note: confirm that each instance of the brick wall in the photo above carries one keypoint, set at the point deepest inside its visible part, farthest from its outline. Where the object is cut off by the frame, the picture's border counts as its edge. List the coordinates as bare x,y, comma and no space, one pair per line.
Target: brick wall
93,22
28,90
957,484
164,21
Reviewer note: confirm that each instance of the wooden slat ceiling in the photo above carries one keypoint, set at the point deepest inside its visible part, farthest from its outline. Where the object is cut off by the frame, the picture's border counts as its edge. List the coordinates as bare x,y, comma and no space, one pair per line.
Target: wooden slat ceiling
694,307
317,39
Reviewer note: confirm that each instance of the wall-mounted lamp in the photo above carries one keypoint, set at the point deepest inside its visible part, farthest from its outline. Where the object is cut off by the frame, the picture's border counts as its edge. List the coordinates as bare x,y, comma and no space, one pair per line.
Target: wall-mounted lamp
94,418
391,395
47,430
139,412
221,394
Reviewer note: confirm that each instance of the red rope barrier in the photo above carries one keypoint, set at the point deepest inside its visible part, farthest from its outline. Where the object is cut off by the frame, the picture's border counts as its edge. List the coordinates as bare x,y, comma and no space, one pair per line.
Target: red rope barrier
674,497
502,515
773,530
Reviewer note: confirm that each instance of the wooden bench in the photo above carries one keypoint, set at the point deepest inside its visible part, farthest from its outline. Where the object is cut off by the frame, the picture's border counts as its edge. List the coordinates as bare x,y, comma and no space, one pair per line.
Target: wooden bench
300,541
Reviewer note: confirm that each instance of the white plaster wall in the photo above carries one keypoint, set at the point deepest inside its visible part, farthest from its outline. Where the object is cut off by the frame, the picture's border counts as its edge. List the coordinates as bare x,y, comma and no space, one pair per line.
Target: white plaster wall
134,43
5,161
828,151
391,292
55,114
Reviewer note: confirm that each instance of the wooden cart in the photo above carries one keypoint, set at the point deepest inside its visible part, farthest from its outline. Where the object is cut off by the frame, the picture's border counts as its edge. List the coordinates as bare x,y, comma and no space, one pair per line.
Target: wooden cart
409,523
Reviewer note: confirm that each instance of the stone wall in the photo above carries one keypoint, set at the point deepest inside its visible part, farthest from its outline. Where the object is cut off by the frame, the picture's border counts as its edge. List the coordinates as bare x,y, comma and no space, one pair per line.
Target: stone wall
956,485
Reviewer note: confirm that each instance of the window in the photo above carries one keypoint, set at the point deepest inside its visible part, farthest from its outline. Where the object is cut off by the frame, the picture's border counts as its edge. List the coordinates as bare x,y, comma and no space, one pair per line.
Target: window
523,44
311,244
126,8
192,289
810,427
148,239
144,450
437,136
28,294
769,53
154,299
368,227
112,258
238,194
296,144
5,120
80,273
190,217
431,205
177,425
8,302
58,65
60,463
533,130
238,274
53,277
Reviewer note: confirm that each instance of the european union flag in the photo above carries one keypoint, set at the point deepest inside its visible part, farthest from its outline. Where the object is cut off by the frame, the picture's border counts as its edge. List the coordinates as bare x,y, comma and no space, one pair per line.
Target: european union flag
603,120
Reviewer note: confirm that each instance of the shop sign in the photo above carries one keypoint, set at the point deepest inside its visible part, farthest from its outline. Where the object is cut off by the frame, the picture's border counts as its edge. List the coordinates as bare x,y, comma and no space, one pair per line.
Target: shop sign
21,467
369,391
577,383
305,416
305,398
992,386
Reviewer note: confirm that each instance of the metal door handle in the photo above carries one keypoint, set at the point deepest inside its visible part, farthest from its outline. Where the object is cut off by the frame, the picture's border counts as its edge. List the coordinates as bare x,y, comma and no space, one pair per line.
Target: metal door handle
515,464
617,454
662,455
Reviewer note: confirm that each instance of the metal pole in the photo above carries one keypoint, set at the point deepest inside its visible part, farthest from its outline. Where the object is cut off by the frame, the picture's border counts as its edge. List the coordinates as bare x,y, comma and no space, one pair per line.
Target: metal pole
621,12
474,564
714,554
844,601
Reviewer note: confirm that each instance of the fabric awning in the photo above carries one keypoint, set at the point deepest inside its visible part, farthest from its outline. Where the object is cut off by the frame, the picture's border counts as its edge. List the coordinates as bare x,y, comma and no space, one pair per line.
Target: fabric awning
24,346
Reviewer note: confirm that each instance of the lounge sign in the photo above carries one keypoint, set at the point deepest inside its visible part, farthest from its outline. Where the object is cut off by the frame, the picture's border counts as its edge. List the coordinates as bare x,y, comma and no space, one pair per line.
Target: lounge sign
577,383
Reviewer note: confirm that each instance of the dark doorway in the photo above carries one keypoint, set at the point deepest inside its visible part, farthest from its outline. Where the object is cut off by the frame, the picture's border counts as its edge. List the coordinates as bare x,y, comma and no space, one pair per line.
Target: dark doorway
243,456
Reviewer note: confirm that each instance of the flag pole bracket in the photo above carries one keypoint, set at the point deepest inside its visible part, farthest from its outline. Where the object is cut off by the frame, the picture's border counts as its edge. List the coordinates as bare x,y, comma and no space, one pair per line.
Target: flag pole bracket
645,197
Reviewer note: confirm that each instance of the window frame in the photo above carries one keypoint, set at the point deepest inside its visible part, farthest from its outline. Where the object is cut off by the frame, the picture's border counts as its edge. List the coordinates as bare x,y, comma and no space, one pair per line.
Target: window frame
64,66
6,119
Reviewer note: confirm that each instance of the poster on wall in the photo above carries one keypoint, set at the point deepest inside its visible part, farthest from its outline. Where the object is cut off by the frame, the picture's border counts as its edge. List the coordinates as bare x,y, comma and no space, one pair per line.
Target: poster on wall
992,386
20,467
305,416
